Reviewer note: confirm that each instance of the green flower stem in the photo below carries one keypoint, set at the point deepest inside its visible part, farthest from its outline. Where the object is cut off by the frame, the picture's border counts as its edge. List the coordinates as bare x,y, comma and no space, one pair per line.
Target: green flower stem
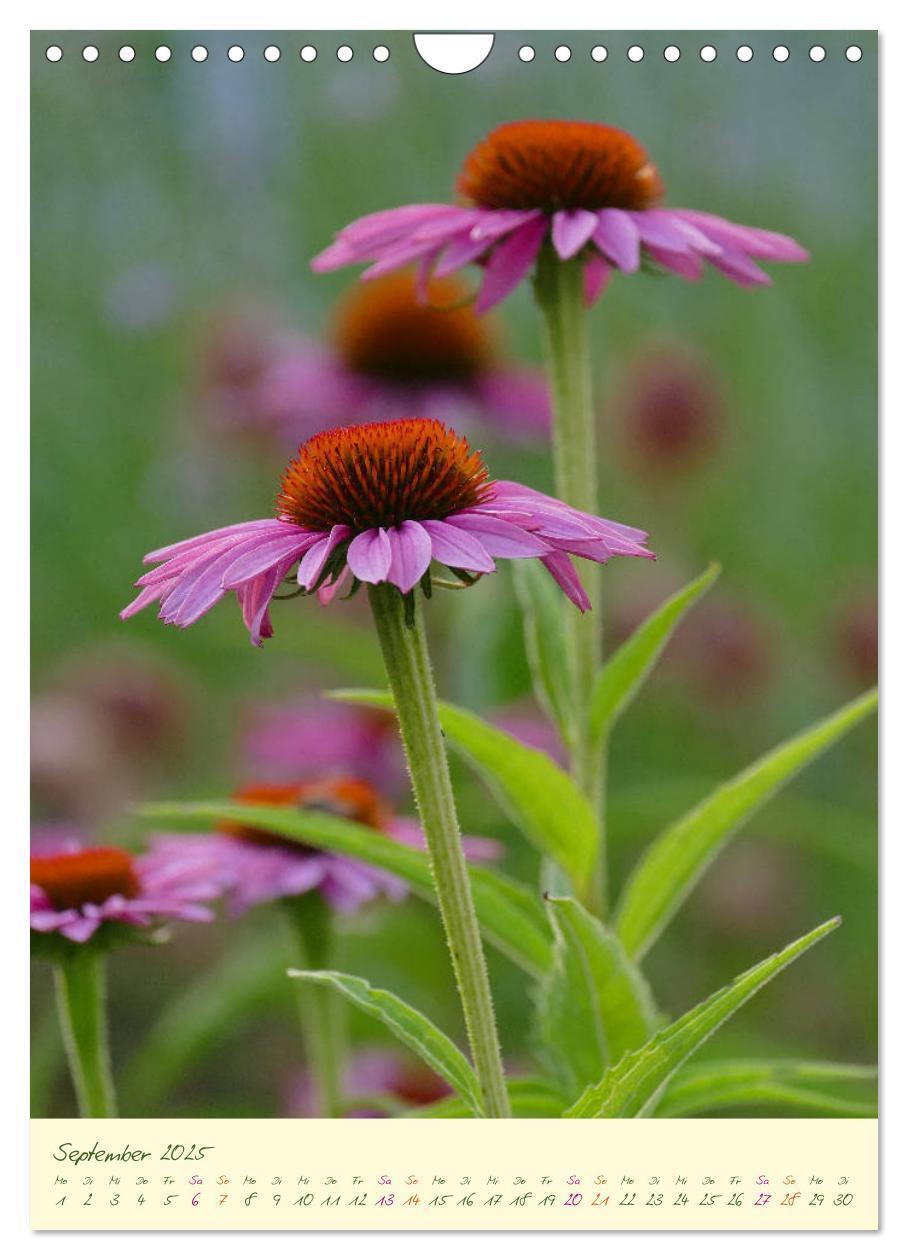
559,294
82,1010
309,918
410,676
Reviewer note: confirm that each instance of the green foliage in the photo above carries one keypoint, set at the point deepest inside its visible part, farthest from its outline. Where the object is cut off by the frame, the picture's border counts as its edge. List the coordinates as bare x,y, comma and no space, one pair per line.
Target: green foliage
594,1004
542,604
631,1087
543,801
532,1097
773,1086
629,666
510,915
674,862
410,1027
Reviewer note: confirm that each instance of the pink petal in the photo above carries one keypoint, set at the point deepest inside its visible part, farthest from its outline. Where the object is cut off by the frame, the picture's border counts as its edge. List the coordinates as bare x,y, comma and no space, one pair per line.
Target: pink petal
596,274
456,547
564,573
618,238
411,555
252,563
509,263
494,224
688,266
755,241
369,556
314,560
659,230
738,267
189,544
571,229
500,537
461,250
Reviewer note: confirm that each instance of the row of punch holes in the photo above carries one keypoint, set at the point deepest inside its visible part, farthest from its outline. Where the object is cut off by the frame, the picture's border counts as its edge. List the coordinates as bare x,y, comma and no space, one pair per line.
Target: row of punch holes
526,53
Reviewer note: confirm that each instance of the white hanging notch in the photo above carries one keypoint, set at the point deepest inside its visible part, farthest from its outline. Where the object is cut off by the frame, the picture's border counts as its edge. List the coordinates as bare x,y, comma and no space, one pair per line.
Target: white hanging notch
454,53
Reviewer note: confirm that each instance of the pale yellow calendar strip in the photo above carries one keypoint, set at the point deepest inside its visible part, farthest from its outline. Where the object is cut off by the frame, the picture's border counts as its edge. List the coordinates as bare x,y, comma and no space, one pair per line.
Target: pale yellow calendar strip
454,1174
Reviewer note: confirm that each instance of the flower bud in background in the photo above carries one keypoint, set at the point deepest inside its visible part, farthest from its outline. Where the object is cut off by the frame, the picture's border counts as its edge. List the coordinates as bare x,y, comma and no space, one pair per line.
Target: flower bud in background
101,728
856,631
668,411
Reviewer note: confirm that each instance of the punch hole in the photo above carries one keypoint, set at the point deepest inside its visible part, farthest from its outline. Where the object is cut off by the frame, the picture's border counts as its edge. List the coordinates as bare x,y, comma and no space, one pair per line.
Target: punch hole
199,53
635,53
526,53
745,53
562,53
853,53
345,53
817,53
90,53
127,53
599,53
454,53
272,53
380,53
708,53
54,53
236,53
672,53
162,53
308,53
780,53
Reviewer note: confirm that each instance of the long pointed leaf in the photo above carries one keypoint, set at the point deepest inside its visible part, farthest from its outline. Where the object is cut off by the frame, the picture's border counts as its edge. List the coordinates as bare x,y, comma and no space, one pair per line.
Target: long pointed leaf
510,914
831,1089
676,860
630,1087
629,666
594,1004
410,1026
543,801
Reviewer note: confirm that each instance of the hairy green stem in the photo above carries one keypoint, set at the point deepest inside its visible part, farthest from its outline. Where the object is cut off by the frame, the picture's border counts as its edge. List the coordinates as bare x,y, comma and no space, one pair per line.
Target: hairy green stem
82,1010
559,294
321,1019
410,676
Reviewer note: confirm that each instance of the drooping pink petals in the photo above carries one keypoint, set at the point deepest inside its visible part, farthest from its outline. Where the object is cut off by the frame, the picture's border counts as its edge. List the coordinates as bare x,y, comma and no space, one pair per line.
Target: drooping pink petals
369,556
506,244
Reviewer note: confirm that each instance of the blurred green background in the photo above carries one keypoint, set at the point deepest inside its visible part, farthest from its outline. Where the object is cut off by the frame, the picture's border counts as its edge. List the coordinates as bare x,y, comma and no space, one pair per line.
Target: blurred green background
164,194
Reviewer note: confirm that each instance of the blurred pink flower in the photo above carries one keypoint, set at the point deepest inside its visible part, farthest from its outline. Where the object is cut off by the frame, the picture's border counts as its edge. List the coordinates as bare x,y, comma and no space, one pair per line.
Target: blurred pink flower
590,189
388,355
256,866
669,410
857,632
372,1071
317,738
76,887
378,503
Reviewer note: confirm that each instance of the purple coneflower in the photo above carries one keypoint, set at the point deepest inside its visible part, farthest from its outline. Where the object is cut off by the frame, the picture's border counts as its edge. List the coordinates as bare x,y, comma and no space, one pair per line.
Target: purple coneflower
590,189
257,866
378,502
390,354
76,888
83,898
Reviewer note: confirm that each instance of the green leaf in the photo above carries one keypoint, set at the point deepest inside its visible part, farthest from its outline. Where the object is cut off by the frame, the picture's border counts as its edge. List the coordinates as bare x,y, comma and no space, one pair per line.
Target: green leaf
631,1086
546,644
510,914
410,1026
531,1098
594,1005
629,666
543,801
674,862
830,1089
